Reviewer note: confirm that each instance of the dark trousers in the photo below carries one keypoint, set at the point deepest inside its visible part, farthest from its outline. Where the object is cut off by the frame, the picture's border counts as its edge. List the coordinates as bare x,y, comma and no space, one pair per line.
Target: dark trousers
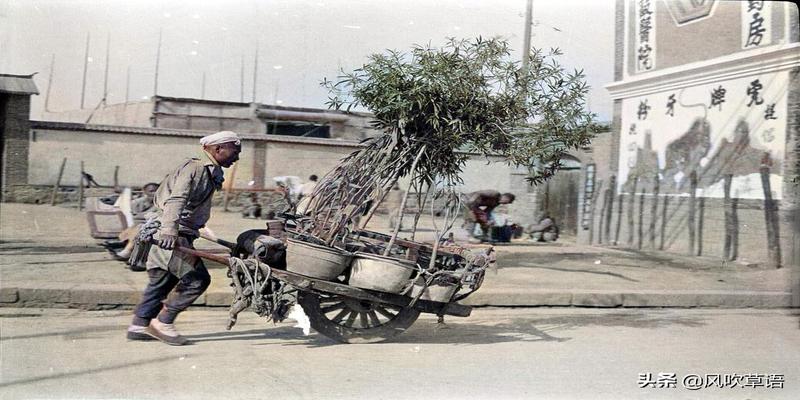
160,288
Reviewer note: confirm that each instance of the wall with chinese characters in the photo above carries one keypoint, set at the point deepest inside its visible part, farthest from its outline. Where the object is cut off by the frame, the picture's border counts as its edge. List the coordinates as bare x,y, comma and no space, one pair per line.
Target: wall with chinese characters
669,33
732,127
704,160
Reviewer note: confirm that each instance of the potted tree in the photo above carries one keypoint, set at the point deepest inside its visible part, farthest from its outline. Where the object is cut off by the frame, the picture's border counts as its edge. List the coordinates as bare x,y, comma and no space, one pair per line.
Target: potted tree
435,106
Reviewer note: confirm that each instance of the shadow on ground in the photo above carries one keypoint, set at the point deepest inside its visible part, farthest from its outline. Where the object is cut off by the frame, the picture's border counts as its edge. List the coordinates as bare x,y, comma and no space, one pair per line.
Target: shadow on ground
551,328
22,249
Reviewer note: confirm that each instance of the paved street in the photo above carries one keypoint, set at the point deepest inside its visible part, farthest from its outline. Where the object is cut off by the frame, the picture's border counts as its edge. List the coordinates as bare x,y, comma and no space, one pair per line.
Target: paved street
496,353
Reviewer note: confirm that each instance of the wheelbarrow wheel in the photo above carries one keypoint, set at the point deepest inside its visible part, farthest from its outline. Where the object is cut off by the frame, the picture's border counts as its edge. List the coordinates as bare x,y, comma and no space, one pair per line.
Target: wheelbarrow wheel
348,320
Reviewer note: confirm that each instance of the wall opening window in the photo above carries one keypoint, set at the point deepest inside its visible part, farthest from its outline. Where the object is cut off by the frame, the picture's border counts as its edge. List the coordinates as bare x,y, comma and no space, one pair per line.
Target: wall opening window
298,129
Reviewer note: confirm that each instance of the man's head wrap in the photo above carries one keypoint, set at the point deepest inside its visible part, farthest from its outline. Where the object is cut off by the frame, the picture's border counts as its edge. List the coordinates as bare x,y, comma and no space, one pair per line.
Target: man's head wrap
220,138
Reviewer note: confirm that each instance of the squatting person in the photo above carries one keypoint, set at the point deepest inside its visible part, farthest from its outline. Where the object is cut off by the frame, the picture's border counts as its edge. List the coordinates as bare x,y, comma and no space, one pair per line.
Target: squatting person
183,206
480,205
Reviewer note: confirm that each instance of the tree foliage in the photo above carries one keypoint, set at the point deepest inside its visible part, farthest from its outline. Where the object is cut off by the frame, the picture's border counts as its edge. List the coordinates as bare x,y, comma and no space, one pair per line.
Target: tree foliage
471,96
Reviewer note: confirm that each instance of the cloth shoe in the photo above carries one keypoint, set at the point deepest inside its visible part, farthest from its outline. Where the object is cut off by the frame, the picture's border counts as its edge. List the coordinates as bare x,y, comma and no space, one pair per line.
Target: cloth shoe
165,333
136,332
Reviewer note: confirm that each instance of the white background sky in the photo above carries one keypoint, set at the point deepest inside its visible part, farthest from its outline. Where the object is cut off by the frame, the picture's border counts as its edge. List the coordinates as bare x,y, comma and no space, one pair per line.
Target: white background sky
300,42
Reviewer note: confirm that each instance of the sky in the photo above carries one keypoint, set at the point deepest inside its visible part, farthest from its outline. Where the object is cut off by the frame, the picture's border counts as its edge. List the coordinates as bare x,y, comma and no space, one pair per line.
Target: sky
299,43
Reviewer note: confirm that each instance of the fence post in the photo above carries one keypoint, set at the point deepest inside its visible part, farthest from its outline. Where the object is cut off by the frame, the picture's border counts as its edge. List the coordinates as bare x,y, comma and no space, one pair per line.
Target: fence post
771,219
58,182
691,220
654,212
631,206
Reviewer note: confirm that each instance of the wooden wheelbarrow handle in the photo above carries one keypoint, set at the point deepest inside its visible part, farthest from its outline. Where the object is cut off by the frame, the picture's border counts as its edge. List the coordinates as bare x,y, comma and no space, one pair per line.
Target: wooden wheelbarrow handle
225,260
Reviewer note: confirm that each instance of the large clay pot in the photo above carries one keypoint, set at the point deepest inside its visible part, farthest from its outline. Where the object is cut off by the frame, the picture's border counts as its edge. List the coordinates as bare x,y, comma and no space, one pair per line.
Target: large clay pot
384,274
315,261
434,292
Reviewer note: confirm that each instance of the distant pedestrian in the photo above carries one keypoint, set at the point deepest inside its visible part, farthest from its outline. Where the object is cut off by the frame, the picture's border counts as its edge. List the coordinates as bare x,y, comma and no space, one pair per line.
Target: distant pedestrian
545,231
307,188
253,208
480,205
183,206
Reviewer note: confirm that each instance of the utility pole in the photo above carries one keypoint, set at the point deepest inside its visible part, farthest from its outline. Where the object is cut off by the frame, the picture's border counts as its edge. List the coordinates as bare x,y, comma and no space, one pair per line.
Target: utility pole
255,72
158,61
49,83
105,78
85,67
128,84
526,39
241,82
203,87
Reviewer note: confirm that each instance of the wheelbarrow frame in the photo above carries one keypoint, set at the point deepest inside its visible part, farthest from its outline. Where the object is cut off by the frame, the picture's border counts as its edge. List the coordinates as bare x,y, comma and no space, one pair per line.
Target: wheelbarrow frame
305,283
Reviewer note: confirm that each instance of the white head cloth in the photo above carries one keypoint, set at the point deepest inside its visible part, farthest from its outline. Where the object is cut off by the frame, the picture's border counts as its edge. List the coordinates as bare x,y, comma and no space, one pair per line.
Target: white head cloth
220,138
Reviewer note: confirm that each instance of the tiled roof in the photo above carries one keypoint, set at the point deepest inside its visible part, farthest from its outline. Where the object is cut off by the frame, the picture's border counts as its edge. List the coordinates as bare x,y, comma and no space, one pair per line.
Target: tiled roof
135,130
18,84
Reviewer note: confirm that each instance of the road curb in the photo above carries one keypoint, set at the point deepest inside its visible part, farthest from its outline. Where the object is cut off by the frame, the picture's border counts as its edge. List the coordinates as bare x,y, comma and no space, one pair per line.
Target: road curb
116,297
643,298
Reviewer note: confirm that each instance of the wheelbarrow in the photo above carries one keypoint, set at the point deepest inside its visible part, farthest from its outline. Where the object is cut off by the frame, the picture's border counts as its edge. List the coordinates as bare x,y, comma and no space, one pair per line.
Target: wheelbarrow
355,304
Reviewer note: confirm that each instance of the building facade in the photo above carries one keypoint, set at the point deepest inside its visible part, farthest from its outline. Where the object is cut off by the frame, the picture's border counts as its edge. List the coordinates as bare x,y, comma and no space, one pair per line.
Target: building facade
15,105
706,100
212,116
133,156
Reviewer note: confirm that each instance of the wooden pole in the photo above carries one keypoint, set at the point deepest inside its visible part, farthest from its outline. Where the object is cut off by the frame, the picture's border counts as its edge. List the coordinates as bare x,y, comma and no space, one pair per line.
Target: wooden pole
105,76
631,206
85,67
701,215
203,87
691,218
735,232
771,219
49,83
116,177
641,221
403,203
128,84
593,210
546,203
654,211
228,187
601,225
526,38
620,198
663,232
728,206
386,189
255,72
80,190
241,82
158,63
58,182
612,188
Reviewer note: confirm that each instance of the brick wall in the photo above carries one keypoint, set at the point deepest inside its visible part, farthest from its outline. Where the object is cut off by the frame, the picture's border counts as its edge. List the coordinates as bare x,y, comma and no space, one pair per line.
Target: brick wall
16,127
600,155
790,219
259,164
